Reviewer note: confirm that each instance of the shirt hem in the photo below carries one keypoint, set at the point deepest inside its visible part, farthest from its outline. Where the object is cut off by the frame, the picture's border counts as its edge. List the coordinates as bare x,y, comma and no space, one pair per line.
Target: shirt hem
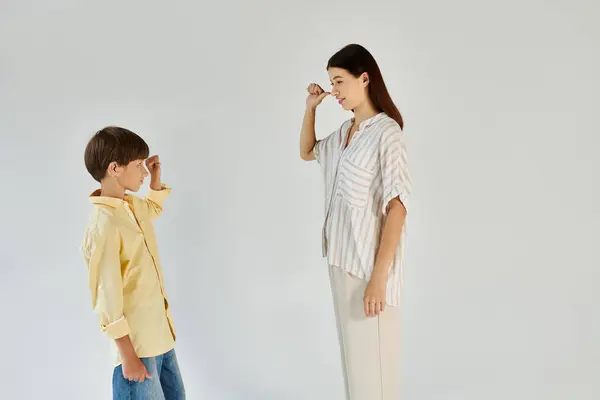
146,355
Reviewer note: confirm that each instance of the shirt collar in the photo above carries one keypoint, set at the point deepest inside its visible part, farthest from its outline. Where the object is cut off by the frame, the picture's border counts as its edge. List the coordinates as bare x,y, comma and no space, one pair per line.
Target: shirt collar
114,202
370,121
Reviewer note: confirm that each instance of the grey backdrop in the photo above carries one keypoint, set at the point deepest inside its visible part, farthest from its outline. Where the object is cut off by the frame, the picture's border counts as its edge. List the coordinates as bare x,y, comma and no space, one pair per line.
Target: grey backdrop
501,295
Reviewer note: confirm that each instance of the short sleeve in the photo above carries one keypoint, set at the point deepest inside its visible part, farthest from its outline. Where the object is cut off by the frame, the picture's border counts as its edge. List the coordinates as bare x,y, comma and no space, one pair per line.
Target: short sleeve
325,147
317,151
394,168
322,149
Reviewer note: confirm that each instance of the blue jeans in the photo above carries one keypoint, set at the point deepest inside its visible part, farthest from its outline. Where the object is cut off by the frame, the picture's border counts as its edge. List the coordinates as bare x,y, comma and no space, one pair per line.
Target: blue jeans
166,382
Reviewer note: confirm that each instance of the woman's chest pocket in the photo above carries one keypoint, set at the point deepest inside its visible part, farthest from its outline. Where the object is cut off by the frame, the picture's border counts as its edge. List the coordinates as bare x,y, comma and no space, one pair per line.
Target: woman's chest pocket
355,183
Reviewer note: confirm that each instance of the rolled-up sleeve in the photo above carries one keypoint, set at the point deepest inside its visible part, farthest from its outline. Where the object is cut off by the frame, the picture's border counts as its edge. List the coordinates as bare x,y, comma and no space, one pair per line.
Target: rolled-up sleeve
394,168
154,201
106,282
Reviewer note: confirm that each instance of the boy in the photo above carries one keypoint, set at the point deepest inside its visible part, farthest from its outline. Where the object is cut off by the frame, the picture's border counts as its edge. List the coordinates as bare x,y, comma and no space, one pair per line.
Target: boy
125,276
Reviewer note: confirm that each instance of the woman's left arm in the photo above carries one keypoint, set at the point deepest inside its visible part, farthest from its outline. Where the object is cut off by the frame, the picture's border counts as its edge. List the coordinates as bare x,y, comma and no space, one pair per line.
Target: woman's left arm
375,294
396,190
390,237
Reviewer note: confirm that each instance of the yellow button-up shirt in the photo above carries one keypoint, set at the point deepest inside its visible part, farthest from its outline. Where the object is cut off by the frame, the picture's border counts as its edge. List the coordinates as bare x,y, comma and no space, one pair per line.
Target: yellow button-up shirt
125,275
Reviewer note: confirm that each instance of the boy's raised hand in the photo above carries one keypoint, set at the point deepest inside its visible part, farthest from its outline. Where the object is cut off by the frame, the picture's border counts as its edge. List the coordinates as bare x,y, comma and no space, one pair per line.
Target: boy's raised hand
153,165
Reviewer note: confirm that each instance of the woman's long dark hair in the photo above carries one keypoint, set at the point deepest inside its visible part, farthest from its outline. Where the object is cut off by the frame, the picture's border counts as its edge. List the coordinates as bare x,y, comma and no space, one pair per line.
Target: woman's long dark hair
355,59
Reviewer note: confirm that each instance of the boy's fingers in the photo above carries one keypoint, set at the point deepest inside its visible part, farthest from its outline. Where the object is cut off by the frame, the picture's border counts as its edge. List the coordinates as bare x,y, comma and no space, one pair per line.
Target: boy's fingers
153,159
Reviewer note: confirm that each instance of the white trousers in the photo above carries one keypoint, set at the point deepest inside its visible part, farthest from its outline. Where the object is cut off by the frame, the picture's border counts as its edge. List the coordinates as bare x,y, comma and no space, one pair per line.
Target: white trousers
370,346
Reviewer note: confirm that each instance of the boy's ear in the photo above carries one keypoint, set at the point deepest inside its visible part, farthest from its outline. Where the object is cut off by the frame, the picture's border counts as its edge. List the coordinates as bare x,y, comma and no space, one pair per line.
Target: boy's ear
113,169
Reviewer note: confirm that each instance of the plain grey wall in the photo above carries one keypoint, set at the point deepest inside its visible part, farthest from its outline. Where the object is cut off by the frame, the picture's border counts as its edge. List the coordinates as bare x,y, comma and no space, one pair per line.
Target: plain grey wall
499,100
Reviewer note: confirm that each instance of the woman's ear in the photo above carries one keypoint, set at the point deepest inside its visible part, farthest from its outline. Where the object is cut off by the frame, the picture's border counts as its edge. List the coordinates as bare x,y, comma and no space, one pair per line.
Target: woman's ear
365,79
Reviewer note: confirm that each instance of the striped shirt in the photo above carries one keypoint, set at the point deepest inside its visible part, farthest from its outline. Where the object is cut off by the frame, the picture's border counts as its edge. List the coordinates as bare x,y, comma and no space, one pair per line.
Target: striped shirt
360,180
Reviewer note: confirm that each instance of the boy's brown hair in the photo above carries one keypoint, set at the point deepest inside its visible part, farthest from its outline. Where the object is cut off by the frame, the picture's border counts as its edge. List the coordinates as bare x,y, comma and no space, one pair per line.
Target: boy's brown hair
113,144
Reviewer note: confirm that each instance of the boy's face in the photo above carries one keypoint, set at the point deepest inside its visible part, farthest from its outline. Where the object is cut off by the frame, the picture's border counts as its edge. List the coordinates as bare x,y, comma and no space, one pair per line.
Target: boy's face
131,176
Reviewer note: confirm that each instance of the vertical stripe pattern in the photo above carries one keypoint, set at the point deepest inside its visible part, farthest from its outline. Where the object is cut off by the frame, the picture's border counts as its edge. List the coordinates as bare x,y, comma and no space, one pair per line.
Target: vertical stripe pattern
360,180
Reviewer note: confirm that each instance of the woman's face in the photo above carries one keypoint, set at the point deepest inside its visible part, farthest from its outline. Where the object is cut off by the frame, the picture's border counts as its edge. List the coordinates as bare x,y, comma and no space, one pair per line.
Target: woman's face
349,91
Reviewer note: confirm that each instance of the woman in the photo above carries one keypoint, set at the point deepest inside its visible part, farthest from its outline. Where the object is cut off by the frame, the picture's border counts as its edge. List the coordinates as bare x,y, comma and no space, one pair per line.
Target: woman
367,186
